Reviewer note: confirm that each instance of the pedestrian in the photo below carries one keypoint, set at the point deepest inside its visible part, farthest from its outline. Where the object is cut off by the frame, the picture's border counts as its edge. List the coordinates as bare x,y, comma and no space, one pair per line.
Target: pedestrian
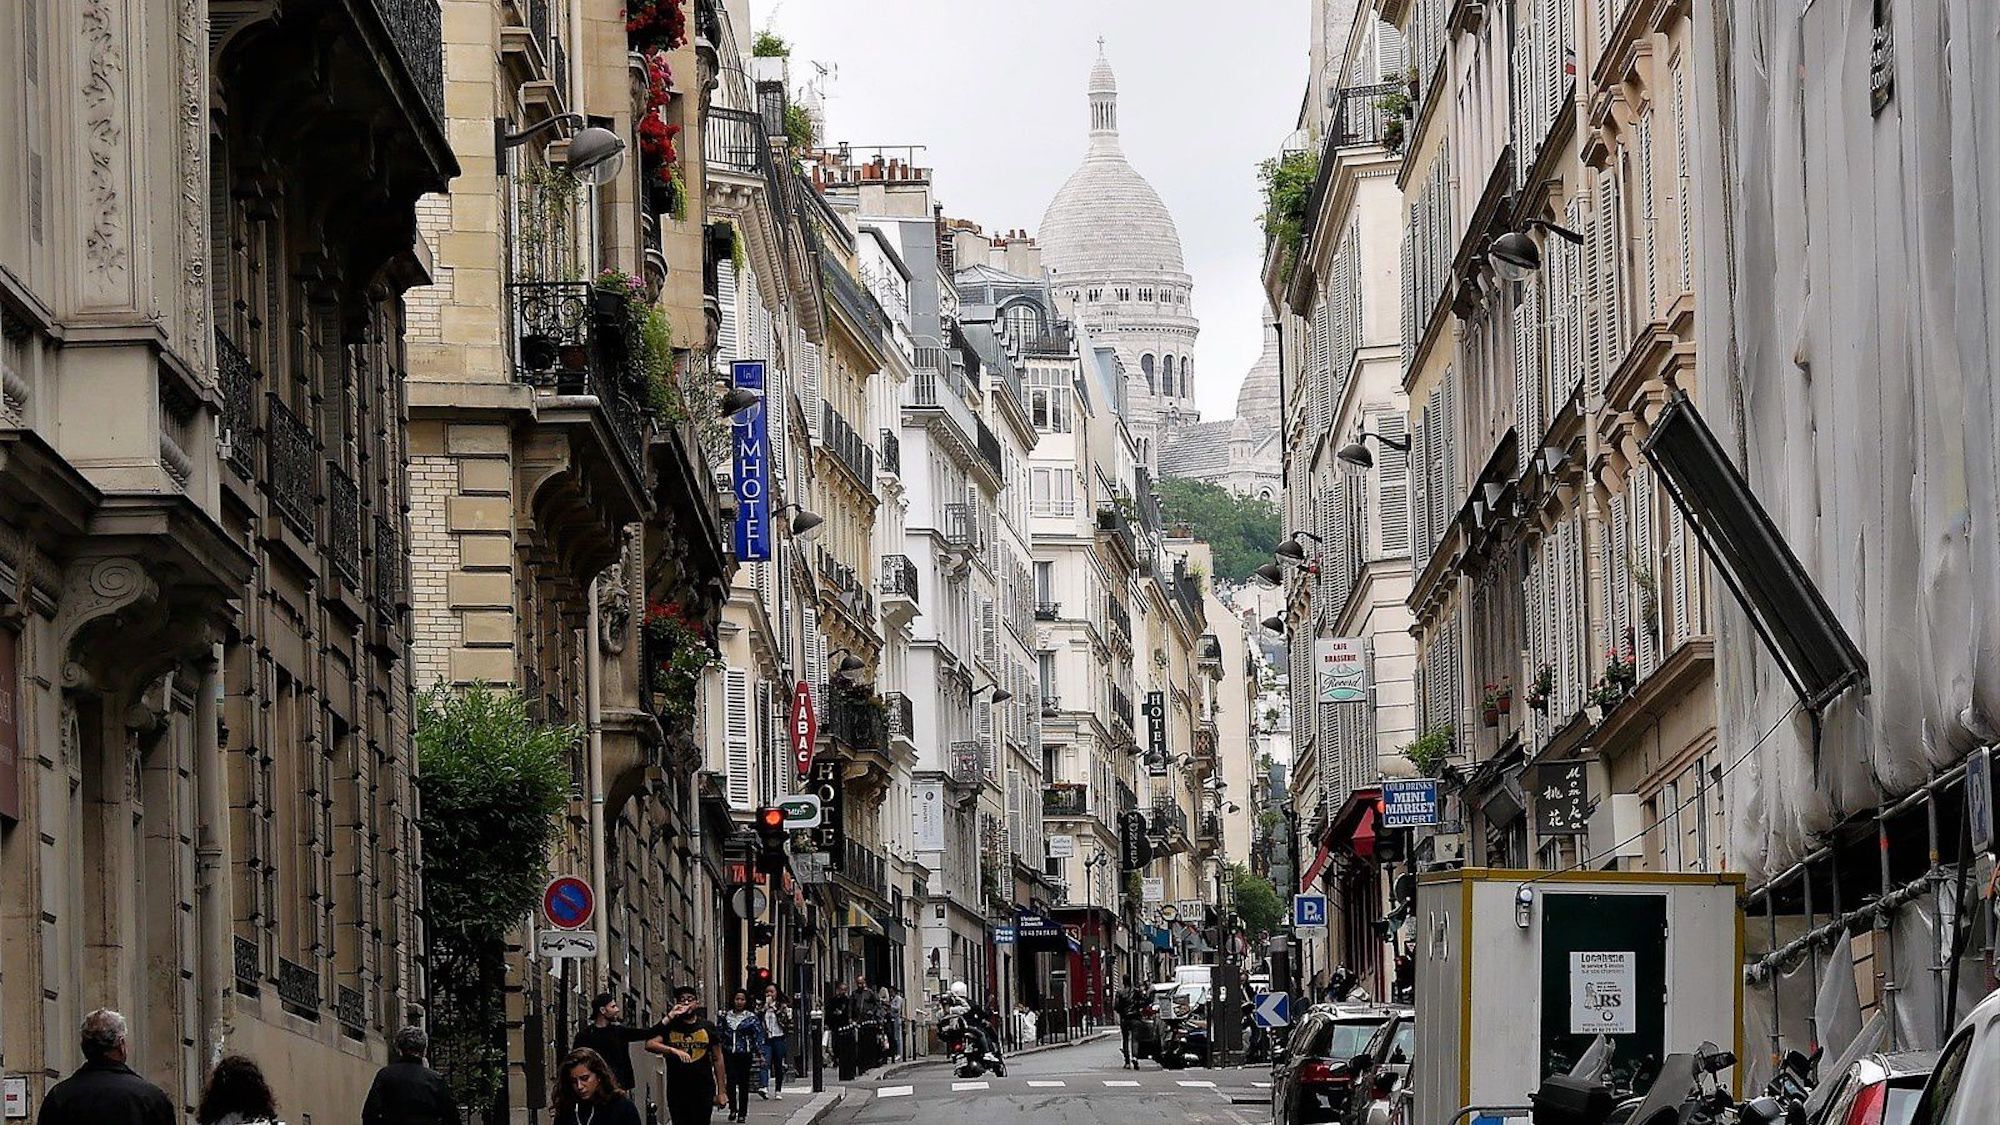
587,1092
777,1032
742,1045
688,1042
1131,1012
867,1025
840,1029
236,1094
105,1091
892,1007
406,1092
608,1035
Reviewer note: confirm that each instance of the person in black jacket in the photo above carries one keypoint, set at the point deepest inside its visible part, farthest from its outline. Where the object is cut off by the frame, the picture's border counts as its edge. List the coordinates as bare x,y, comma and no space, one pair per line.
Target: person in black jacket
406,1092
608,1035
104,1091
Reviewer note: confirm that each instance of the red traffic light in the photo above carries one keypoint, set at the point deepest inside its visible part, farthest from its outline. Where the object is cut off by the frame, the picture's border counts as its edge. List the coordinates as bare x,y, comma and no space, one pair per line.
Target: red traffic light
771,819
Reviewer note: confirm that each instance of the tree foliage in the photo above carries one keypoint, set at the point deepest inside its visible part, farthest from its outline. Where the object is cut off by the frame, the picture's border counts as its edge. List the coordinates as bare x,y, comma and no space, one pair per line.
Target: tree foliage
1241,530
1288,184
1257,901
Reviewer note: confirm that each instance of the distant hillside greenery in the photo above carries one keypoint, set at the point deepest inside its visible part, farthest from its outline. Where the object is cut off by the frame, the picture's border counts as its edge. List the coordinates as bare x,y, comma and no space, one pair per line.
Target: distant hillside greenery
1241,530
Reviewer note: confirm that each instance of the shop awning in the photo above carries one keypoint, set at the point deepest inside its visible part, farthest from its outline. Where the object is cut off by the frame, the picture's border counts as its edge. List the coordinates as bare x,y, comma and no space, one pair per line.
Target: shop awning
1354,828
858,918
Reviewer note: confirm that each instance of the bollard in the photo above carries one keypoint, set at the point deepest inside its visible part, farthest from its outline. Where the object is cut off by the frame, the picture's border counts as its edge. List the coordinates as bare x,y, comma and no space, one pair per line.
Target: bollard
818,1057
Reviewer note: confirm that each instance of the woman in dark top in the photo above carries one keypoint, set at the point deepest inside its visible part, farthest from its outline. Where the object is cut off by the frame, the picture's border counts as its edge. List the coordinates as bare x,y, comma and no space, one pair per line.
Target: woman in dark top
587,1092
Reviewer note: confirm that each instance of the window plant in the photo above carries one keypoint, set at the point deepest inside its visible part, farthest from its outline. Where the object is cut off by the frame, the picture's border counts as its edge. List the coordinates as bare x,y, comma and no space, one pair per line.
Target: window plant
678,651
1543,688
1429,751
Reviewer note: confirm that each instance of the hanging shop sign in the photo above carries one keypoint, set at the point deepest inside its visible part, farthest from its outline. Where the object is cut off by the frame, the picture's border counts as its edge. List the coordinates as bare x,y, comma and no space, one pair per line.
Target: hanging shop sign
1562,798
1340,669
750,440
1156,733
804,729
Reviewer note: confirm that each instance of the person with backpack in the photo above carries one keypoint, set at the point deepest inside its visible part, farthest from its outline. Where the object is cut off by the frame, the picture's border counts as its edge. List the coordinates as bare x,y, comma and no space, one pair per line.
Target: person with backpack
742,1046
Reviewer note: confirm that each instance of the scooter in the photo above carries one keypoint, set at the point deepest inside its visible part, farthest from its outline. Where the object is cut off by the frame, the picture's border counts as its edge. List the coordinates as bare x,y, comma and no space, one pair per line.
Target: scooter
970,1058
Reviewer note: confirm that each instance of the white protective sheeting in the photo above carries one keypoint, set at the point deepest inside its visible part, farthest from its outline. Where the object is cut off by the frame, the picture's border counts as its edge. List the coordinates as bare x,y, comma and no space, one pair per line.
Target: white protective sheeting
1849,296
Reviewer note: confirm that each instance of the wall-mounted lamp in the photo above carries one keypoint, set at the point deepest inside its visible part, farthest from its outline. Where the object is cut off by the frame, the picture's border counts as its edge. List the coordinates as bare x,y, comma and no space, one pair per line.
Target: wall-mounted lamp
804,523
1516,255
1356,454
1275,624
736,400
1000,694
595,153
1291,550
1268,574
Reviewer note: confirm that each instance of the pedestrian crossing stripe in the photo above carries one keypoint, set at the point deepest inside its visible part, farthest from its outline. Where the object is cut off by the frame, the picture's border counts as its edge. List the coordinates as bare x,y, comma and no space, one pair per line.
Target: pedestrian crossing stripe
962,1087
1197,1085
1261,1085
895,1091
1112,1082
1048,1085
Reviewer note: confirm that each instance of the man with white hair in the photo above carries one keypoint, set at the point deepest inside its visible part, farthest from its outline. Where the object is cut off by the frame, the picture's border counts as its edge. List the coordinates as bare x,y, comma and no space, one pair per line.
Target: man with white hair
104,1091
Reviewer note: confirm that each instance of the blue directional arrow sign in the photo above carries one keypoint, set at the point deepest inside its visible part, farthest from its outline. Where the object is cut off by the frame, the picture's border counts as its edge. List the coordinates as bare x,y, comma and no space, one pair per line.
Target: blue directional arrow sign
1273,1009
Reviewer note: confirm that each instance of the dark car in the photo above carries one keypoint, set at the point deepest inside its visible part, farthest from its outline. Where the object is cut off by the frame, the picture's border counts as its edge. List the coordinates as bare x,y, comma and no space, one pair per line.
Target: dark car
1310,1082
1381,1067
1876,1090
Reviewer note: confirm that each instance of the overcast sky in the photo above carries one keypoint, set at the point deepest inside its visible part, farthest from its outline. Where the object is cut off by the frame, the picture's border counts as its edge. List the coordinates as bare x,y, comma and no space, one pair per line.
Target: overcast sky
995,91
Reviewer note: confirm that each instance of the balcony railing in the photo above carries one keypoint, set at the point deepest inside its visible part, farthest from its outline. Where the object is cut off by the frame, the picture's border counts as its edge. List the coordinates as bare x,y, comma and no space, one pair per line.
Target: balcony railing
1167,820
1121,706
989,447
866,868
859,304
351,1012
1066,799
249,972
236,378
844,586
291,467
846,444
388,570
1360,118
902,715
859,723
959,528
735,140
892,453
1059,508
1111,521
899,577
1048,611
1121,621
1209,827
968,763
298,988
343,523
935,376
572,342
416,27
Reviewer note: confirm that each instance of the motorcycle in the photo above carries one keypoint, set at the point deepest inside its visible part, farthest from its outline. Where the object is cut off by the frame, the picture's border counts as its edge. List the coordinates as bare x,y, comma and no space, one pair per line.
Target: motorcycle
966,1042
1182,1042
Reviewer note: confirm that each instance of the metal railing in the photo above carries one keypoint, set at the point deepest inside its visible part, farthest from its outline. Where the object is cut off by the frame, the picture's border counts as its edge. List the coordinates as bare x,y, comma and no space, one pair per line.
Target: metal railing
859,304
846,445
1111,521
968,762
959,529
290,468
902,715
343,523
935,374
899,577
350,1012
236,379
1066,799
1121,620
1048,611
249,971
1061,508
417,29
989,447
1360,118
299,988
1121,706
735,140
388,570
858,723
892,452
571,342
866,868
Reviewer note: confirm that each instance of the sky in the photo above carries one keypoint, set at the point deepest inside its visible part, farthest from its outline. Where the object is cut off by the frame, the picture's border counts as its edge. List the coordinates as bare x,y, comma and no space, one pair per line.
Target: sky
995,93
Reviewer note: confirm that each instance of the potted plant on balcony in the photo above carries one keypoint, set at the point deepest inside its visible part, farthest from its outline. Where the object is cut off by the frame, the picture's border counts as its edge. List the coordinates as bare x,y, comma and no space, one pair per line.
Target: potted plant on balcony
656,24
1429,751
678,651
1489,706
1544,687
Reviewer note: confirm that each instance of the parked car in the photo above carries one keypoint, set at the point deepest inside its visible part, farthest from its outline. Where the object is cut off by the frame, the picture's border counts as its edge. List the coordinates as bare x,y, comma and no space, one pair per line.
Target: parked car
1879,1089
1310,1082
1381,1068
1965,1086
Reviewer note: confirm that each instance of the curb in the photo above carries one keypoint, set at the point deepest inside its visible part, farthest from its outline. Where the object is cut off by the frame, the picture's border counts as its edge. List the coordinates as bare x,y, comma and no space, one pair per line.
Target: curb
896,1070
816,1110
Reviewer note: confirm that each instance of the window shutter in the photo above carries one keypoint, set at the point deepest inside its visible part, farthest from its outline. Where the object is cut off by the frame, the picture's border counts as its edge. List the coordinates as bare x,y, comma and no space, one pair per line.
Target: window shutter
1388,52
1618,571
1524,331
1645,549
1393,470
736,737
1409,277
1678,548
1683,184
1555,44
777,749
988,631
1610,281
727,338
983,709
809,387
815,646
1649,223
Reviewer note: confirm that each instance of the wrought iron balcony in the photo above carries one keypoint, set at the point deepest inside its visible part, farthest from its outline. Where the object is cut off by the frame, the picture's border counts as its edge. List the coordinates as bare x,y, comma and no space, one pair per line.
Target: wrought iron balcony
892,453
1066,798
959,530
351,1012
1168,820
343,523
249,971
1048,611
290,467
1112,522
935,376
1209,827
899,577
236,378
846,445
573,339
866,868
968,763
1121,621
734,140
416,27
989,447
1121,706
388,571
859,304
1360,118
860,723
902,715
298,988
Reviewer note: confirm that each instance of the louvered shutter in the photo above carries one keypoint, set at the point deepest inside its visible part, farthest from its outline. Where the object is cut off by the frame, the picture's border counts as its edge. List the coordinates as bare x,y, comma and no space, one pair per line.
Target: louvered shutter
777,748
1646,552
727,339
1683,184
1610,246
983,712
1338,547
1448,494
778,420
1618,571
1393,470
815,656
1680,559
1572,661
1555,42
1524,447
1409,278
1648,220
1532,620
1434,474
809,384
1388,52
741,788
988,631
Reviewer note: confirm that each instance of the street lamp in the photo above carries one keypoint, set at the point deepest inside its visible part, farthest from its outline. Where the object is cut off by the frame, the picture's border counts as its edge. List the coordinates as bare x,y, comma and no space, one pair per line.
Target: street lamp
804,523
1095,980
1355,455
1515,255
1268,574
1291,550
595,153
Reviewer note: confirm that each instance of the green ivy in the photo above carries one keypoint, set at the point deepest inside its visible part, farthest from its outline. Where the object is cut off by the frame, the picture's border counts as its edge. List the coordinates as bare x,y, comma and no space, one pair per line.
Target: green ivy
1288,184
770,45
798,127
1429,751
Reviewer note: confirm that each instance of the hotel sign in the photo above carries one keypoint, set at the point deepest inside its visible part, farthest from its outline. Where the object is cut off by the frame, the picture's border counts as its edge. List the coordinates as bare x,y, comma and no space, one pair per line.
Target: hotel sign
750,439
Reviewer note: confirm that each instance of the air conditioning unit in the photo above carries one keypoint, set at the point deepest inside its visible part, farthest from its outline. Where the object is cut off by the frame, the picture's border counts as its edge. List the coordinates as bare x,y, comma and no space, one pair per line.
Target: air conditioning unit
725,491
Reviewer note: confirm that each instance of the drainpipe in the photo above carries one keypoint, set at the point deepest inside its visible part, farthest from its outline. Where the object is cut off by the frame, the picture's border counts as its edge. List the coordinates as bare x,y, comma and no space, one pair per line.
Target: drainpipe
593,673
218,955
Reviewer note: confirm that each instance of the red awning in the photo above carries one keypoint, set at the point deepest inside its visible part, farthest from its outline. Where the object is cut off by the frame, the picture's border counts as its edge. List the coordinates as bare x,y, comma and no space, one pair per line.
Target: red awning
1312,873
1363,839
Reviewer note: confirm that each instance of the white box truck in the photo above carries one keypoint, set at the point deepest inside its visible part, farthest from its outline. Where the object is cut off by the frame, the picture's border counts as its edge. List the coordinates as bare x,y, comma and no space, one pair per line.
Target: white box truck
1519,971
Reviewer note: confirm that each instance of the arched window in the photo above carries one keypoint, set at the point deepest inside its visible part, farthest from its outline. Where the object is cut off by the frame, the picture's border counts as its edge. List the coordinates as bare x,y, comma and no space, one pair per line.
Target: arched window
1146,369
1167,377
1187,376
1024,322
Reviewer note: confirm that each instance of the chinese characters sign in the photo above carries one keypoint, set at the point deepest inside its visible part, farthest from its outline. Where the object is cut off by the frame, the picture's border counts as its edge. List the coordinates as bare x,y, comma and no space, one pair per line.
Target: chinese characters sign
1340,669
1562,799
748,437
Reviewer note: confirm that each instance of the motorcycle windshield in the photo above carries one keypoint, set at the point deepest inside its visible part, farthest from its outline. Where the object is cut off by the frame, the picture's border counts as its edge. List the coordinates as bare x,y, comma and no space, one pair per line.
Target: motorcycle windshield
1672,1087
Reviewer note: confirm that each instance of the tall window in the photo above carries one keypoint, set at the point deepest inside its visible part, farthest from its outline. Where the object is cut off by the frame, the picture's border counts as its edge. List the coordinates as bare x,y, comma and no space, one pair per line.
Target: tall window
1048,401
1024,322
1167,377
1146,369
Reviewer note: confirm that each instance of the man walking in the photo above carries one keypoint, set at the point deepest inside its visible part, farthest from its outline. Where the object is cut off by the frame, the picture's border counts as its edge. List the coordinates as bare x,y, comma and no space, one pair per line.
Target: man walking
892,1007
104,1091
406,1092
1131,1009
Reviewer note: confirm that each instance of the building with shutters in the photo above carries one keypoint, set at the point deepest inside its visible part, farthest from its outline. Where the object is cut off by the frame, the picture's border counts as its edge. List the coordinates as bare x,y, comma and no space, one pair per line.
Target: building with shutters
1336,298
206,770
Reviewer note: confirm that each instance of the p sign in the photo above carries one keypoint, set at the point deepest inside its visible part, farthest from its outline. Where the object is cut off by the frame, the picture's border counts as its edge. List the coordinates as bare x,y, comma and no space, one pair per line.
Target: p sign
1308,912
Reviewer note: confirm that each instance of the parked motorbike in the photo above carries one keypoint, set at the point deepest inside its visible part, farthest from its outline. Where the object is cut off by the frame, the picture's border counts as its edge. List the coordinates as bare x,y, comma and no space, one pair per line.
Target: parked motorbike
1183,1042
1687,1090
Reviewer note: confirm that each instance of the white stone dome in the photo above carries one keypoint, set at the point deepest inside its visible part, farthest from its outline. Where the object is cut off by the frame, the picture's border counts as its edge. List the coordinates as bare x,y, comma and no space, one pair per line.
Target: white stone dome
1107,223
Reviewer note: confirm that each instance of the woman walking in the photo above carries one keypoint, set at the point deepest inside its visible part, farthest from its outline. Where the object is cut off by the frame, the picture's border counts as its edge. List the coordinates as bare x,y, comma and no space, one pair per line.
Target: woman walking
237,1094
777,1015
587,1092
742,1044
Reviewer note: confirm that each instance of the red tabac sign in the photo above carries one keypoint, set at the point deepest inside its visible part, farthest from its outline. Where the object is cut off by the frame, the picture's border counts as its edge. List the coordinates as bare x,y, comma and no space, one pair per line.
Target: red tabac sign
805,728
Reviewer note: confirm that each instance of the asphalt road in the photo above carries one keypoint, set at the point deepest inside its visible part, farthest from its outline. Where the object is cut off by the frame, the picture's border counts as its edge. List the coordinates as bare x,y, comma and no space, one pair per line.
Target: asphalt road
1080,1085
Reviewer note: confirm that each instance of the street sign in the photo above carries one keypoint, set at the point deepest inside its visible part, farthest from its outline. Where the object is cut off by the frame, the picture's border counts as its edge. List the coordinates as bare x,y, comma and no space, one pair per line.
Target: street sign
1340,669
1410,804
748,902
1062,847
1156,733
568,903
1003,935
1308,912
1979,798
802,810
804,729
558,945
810,868
1273,1009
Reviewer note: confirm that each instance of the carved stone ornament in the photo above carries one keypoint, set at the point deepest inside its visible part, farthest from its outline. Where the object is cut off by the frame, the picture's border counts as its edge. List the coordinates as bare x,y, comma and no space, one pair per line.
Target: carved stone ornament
614,599
92,590
105,249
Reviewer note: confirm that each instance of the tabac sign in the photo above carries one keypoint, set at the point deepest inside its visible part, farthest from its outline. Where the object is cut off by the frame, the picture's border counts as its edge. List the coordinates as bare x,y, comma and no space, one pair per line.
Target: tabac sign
751,441
804,728
1340,669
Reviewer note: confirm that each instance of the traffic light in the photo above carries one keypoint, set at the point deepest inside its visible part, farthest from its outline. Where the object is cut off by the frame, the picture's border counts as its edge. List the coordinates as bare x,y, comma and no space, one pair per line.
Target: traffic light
771,836
760,979
760,934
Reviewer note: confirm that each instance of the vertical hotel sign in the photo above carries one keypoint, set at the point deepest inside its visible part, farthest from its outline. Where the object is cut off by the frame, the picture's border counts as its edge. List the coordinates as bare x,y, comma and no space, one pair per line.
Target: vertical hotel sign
10,724
1156,734
751,440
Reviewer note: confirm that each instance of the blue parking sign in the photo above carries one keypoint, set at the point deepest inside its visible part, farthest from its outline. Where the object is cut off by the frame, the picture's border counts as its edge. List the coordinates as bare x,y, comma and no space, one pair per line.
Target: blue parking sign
1308,912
